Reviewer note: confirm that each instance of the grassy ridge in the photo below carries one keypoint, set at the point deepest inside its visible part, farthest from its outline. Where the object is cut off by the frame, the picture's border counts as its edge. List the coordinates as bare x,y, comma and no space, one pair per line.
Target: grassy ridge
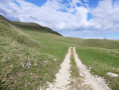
33,27
101,43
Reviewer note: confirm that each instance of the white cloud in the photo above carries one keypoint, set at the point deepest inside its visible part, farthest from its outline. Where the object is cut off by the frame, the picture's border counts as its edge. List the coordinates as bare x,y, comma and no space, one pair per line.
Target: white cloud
106,16
51,14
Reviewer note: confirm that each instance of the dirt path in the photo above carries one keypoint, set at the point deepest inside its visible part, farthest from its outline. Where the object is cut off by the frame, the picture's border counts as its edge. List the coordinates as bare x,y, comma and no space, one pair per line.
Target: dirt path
86,81
89,82
63,76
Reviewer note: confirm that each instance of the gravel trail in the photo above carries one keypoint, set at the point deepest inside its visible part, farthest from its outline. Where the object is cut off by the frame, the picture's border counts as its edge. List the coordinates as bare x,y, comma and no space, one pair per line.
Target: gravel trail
89,82
63,76
86,80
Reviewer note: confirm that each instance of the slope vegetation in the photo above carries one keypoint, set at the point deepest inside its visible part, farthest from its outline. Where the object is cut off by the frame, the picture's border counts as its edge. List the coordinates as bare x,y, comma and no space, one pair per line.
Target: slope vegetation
30,55
22,63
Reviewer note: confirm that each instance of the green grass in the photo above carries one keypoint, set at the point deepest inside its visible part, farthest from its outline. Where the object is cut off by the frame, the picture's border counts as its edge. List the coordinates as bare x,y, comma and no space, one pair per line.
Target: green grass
101,61
17,49
33,27
14,70
75,77
23,43
101,43
74,69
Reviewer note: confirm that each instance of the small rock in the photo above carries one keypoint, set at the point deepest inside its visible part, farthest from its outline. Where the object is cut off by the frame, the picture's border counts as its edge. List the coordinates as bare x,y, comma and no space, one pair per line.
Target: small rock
90,68
45,61
112,74
55,59
11,65
35,64
28,64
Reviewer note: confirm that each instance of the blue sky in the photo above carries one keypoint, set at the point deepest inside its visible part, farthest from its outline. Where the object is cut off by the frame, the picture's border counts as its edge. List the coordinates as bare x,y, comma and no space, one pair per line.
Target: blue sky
37,2
72,18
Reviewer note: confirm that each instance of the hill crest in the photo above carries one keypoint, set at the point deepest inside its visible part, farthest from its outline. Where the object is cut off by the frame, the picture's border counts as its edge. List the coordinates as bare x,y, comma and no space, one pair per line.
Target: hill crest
29,26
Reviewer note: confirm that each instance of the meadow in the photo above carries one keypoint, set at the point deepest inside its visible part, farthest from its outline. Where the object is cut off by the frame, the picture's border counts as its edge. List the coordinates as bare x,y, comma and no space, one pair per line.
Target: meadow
30,55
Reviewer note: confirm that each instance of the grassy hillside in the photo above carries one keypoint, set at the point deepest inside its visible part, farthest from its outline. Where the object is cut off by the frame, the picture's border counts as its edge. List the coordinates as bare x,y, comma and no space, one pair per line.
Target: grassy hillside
30,55
101,43
33,27
24,61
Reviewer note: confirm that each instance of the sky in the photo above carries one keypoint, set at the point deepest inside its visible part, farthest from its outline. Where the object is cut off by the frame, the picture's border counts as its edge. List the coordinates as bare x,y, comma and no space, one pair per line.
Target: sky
72,18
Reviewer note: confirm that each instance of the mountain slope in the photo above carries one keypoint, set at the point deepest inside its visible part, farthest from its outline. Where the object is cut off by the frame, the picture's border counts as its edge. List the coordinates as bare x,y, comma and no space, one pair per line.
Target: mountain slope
30,55
22,64
33,26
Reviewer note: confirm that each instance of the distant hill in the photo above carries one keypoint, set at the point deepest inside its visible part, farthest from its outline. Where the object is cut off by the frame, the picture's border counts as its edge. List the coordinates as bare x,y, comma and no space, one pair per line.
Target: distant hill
34,26
29,26
101,43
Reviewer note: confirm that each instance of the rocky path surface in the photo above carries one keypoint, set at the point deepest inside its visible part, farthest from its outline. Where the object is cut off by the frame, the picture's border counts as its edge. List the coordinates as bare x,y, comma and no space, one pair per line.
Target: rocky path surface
63,76
87,81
